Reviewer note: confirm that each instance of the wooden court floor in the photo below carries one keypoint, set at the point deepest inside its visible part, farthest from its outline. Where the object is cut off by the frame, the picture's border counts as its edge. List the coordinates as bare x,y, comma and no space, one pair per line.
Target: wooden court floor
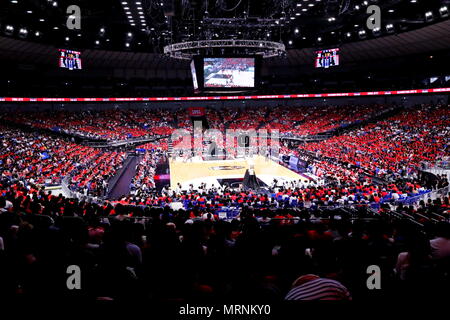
265,169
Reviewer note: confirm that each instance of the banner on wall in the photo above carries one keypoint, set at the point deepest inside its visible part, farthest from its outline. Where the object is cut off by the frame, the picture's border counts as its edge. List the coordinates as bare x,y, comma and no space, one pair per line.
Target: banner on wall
197,111
201,110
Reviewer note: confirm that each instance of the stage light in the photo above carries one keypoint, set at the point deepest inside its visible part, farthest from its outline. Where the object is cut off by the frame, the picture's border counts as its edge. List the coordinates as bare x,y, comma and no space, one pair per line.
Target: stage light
9,30
23,33
376,31
443,11
429,16
390,28
362,34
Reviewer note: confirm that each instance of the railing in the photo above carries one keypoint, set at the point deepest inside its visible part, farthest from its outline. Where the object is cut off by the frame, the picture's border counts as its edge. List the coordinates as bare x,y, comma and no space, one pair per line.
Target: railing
111,144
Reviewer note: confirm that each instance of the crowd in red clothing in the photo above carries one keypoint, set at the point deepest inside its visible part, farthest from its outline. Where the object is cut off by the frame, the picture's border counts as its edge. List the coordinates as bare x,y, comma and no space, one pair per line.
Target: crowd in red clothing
46,160
312,120
125,124
394,146
112,125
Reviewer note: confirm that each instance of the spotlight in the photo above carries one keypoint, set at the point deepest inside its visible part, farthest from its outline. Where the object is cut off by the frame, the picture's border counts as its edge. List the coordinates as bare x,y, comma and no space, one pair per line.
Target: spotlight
362,34
23,32
390,28
9,30
376,31
37,34
296,30
443,11
429,16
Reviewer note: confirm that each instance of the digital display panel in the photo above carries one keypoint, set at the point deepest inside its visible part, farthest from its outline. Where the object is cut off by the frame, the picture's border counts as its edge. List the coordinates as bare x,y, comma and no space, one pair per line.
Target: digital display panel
69,59
229,72
327,58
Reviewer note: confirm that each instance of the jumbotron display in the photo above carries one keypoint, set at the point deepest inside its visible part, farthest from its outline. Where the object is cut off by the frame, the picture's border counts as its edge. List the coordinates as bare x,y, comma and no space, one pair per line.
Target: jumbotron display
327,58
229,72
69,59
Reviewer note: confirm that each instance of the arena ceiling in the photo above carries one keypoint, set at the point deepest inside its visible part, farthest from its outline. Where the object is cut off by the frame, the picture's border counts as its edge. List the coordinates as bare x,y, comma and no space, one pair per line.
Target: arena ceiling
435,37
148,25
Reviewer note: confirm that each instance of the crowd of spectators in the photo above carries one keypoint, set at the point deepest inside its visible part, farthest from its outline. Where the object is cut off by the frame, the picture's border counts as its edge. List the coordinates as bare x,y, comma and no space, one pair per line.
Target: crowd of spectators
293,242
125,124
111,125
134,253
393,147
35,158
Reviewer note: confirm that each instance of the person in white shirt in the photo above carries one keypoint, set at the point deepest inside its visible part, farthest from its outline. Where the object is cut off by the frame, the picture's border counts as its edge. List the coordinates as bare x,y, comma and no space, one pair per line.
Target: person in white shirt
440,246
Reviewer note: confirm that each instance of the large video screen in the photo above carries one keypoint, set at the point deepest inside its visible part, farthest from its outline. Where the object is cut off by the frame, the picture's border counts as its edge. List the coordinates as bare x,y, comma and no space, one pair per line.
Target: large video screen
194,75
327,58
69,59
229,72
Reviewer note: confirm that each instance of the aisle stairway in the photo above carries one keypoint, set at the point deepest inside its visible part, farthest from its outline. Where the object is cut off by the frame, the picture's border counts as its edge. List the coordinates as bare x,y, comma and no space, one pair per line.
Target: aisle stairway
124,177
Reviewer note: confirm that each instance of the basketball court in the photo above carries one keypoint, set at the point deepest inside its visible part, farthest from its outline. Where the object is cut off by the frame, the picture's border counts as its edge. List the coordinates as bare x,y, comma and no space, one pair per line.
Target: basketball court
218,172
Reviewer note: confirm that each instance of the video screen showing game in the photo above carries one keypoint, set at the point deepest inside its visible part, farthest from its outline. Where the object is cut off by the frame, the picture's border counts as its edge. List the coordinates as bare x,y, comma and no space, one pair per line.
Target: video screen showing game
69,59
194,75
327,58
229,72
